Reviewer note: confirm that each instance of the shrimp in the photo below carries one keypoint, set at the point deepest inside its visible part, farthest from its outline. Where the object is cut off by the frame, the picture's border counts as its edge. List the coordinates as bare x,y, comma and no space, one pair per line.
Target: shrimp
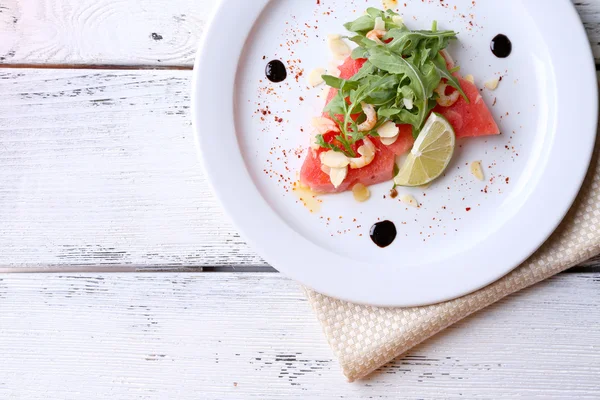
371,120
376,35
445,100
367,152
323,125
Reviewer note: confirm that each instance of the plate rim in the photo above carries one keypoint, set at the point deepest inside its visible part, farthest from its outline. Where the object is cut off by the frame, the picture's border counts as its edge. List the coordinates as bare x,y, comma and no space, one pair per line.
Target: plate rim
349,283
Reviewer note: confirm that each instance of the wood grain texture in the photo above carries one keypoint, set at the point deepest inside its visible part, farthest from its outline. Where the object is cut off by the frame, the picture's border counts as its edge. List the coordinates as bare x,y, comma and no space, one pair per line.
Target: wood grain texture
157,336
142,33
589,11
99,169
116,32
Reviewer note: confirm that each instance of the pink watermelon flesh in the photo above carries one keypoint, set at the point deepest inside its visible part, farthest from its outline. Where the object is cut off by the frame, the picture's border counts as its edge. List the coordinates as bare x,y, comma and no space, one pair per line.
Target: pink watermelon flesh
380,170
469,119
405,141
348,69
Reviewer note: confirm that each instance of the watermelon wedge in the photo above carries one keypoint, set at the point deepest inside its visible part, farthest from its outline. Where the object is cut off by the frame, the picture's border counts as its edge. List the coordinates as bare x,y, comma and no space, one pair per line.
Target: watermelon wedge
468,119
380,170
348,69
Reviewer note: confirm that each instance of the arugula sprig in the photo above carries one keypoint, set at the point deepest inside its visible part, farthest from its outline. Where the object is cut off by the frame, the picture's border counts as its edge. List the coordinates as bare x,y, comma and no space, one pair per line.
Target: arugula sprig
377,90
366,23
399,78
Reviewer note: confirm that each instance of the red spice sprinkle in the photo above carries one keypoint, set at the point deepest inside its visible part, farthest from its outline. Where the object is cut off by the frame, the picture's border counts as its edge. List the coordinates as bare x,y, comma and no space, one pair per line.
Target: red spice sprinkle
468,208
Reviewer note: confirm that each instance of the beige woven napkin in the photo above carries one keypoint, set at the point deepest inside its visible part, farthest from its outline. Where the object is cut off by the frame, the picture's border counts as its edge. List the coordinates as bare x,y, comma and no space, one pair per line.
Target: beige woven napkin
365,338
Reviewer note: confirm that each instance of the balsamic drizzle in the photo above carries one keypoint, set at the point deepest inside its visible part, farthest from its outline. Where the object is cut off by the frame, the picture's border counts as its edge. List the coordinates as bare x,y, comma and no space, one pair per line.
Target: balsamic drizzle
383,233
275,71
501,46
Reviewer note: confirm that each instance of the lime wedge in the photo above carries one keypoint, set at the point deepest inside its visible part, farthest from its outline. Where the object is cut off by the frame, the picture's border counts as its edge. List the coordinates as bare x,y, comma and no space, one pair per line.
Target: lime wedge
430,154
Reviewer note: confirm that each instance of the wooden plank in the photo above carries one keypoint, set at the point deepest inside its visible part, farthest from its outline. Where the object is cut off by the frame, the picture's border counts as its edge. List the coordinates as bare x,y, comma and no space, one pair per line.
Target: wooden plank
99,169
142,33
589,11
100,32
253,336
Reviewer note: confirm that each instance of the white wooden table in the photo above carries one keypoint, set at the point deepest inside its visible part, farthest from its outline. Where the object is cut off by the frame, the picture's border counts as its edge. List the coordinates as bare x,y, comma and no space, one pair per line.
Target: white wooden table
132,283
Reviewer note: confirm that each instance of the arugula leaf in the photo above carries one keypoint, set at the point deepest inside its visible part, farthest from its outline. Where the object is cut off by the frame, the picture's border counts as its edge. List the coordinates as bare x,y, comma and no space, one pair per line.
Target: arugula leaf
405,95
320,141
375,12
391,22
388,112
407,42
422,82
378,90
398,79
372,89
360,40
381,98
367,69
366,23
363,23
373,86
338,83
359,52
337,105
347,143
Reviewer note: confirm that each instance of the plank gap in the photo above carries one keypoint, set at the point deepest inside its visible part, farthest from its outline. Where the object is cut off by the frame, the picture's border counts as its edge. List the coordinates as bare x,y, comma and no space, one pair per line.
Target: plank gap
102,67
211,269
583,269
267,269
111,67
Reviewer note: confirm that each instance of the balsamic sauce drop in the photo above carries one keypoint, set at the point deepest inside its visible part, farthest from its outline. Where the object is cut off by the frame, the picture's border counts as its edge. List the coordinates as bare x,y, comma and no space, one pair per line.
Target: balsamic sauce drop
383,233
501,46
275,71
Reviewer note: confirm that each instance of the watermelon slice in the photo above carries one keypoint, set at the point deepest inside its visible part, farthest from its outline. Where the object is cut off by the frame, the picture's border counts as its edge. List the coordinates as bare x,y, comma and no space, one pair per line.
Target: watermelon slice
469,119
380,170
348,69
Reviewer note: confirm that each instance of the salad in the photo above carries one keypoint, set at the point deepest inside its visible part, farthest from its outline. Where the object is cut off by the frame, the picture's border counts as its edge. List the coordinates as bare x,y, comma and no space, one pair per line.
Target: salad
398,93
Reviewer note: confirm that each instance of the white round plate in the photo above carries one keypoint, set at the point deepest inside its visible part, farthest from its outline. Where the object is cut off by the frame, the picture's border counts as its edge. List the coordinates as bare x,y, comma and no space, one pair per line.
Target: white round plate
253,136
